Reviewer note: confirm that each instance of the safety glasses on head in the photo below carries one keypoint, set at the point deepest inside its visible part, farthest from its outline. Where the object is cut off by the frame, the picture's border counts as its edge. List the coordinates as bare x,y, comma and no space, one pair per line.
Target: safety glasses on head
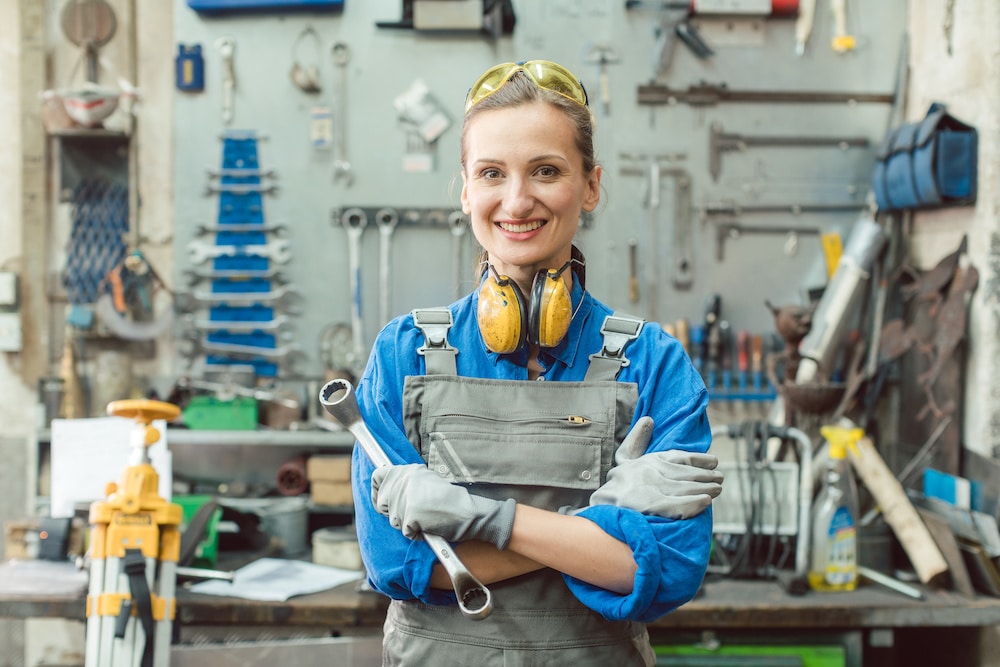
548,75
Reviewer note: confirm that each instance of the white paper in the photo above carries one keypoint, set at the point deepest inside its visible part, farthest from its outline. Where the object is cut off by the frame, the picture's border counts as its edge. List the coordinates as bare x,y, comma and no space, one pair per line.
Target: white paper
277,579
89,453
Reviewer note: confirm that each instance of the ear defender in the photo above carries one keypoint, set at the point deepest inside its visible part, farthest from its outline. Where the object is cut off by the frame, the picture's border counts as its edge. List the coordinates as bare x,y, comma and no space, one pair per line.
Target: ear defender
507,322
550,311
501,313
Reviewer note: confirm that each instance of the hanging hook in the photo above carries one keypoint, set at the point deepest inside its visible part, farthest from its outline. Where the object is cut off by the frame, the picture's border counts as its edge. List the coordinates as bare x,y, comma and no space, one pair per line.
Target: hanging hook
306,77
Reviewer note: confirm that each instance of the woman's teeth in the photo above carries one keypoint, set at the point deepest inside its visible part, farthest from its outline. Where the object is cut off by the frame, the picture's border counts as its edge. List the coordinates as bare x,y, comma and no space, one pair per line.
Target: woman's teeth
522,227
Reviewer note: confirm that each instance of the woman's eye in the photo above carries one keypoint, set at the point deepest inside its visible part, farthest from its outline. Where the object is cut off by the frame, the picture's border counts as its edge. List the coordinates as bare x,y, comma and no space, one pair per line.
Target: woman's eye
490,174
547,172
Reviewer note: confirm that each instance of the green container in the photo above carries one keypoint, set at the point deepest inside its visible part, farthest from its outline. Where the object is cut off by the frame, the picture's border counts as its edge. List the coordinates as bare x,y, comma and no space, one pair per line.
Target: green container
749,655
211,414
208,549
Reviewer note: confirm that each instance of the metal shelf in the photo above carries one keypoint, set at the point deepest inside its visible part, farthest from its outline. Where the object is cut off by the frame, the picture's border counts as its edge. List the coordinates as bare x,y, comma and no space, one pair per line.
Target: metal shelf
342,439
319,438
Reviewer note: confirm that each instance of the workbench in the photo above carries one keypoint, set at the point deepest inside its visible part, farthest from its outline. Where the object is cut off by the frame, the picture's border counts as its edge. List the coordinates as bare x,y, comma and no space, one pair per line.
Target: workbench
30,589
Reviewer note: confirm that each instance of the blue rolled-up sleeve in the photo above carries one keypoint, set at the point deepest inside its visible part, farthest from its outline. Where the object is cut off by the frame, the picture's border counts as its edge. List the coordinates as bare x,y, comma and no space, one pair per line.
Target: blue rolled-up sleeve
671,555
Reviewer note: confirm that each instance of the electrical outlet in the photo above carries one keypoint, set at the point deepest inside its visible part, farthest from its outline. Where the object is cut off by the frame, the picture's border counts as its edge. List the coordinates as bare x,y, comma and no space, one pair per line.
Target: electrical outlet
10,332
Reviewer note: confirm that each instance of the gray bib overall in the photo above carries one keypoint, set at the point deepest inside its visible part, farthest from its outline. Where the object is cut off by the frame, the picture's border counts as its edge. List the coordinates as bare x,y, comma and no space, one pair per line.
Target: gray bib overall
545,444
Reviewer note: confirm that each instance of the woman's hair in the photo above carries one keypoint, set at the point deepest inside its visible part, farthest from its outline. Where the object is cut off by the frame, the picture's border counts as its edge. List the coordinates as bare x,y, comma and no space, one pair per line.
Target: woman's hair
519,90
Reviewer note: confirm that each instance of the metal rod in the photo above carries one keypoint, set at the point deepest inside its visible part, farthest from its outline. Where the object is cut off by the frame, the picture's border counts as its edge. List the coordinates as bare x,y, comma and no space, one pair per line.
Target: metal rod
705,94
889,582
474,599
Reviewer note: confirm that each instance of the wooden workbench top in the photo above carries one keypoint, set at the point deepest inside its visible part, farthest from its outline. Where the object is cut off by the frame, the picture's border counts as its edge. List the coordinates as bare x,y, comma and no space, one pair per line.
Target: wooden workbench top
38,589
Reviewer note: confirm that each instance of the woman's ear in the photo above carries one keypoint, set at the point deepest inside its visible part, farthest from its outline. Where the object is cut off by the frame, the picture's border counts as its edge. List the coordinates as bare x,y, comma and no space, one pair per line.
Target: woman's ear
592,193
466,209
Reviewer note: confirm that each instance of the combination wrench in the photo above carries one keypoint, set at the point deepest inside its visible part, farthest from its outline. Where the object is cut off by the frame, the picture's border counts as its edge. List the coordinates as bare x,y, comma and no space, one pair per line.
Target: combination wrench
227,49
245,351
279,229
280,325
283,296
457,225
354,221
241,188
277,250
341,165
474,599
386,219
195,276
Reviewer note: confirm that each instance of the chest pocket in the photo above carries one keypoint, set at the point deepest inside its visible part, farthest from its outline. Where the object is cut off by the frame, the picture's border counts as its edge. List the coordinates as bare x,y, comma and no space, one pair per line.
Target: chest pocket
519,438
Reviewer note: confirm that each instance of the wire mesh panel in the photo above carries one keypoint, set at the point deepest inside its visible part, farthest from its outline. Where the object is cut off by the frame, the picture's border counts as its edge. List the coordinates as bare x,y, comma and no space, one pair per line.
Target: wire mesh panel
96,244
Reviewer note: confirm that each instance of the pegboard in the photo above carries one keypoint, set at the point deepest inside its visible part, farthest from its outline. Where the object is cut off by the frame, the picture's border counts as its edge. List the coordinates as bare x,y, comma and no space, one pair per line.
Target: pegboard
821,187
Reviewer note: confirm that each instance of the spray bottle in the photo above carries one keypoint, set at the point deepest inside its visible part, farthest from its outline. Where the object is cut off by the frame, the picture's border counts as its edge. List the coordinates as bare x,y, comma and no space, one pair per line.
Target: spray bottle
833,554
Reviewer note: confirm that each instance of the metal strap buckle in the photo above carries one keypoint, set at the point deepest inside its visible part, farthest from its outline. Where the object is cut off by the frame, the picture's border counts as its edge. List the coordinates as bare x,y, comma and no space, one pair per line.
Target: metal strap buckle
434,323
618,332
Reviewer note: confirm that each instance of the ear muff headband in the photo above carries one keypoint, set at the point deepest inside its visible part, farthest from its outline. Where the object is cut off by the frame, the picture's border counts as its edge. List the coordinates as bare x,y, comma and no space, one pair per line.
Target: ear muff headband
501,313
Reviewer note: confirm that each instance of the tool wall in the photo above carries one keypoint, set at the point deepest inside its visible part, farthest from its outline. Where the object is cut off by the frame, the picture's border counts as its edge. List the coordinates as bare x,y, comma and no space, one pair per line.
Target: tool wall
722,169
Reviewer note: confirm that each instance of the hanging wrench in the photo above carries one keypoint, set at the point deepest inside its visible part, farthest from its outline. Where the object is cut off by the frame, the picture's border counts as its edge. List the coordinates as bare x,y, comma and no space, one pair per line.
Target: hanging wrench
283,296
354,221
280,325
278,250
458,225
386,219
194,276
279,229
653,208
241,188
233,349
341,166
227,47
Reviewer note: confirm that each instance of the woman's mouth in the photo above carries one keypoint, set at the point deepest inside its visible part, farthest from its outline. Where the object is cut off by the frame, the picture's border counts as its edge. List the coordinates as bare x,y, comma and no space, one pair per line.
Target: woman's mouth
521,227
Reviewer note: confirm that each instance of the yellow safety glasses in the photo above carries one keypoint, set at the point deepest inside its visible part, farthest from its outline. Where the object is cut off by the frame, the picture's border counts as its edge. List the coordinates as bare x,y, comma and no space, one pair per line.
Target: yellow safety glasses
548,75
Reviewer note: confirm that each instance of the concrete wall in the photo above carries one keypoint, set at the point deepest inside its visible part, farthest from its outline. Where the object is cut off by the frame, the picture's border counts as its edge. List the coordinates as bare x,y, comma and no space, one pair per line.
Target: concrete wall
967,81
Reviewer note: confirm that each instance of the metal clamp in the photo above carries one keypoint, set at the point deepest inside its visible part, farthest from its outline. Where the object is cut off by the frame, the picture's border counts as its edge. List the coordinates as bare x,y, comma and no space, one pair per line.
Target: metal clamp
618,331
438,353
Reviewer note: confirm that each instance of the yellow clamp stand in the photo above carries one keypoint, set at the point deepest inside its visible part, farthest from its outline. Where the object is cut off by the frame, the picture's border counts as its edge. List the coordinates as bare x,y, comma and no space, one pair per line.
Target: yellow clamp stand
134,547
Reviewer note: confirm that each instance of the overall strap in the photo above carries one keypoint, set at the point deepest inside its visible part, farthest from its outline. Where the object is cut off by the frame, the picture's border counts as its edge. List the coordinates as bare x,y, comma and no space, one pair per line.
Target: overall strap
438,354
618,332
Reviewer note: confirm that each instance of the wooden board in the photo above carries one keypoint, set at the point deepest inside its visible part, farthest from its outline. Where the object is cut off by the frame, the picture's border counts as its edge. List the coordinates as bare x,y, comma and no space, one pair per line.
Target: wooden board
941,532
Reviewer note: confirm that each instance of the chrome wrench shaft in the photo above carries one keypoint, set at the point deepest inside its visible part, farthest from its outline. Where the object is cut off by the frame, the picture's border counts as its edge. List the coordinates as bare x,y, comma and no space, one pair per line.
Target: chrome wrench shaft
474,599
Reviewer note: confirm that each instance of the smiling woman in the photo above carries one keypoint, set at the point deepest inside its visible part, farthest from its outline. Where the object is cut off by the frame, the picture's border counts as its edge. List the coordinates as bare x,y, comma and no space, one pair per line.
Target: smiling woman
579,500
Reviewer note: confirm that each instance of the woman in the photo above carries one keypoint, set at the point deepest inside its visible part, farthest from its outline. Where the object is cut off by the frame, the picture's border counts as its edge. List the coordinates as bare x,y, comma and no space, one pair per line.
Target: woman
515,472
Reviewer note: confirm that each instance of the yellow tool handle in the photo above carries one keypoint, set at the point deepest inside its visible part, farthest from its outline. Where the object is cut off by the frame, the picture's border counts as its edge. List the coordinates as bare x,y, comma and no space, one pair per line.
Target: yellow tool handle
833,248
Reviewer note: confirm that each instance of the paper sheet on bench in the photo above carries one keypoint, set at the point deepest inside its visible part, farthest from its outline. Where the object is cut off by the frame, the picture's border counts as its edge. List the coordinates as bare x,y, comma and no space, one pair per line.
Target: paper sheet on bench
277,579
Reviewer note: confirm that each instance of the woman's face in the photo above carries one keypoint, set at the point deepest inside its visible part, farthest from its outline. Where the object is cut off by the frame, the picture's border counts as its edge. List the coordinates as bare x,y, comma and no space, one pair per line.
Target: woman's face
524,187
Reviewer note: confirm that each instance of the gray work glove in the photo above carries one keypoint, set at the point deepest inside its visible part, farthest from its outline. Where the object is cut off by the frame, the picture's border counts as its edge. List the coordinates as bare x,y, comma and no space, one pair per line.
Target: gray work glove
418,500
673,484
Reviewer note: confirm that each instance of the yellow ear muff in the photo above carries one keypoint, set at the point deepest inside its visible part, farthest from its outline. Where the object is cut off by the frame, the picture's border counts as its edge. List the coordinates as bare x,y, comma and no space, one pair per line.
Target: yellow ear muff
501,315
550,311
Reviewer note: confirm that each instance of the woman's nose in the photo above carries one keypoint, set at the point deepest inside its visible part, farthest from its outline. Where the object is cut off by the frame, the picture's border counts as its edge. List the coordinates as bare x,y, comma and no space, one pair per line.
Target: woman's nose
518,199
